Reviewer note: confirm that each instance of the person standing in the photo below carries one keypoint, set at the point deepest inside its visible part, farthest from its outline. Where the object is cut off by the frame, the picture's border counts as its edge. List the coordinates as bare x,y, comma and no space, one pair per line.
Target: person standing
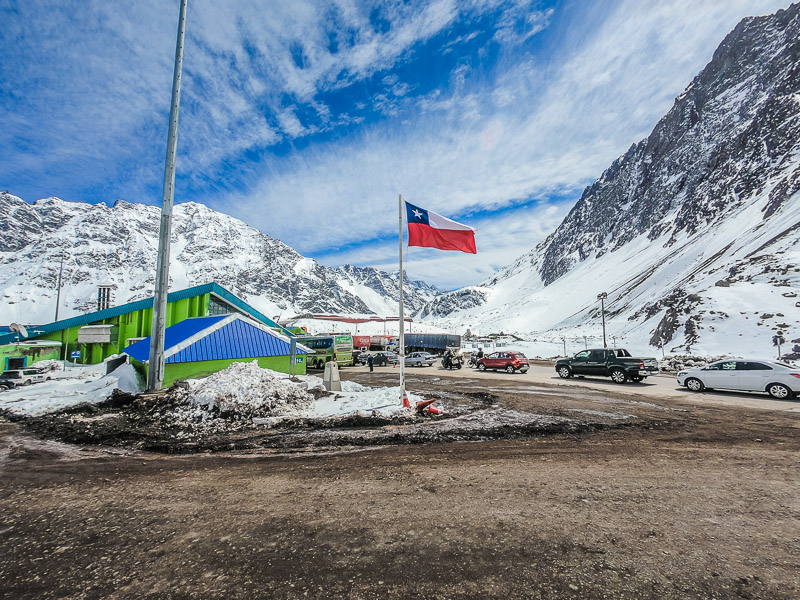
370,362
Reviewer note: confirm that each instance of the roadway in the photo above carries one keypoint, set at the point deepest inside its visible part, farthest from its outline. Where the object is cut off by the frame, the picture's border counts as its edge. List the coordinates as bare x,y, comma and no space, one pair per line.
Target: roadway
661,387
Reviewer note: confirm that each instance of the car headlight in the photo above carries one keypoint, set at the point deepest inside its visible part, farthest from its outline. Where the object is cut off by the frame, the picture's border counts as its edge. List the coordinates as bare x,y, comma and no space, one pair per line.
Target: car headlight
682,373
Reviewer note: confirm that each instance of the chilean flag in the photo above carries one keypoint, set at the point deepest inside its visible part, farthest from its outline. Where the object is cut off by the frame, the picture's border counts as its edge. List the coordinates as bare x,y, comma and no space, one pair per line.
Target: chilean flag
426,228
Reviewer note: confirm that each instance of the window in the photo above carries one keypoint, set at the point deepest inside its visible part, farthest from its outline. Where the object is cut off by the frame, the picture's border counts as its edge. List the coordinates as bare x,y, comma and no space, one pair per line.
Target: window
728,366
583,355
318,344
598,355
216,307
752,366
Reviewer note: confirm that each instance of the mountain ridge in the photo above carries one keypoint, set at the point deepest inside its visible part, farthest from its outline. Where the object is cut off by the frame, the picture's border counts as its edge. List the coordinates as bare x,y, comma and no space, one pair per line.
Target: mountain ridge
684,195
116,244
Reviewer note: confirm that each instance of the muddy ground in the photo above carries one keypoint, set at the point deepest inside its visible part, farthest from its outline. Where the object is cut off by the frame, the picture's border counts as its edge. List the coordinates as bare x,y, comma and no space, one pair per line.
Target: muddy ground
523,492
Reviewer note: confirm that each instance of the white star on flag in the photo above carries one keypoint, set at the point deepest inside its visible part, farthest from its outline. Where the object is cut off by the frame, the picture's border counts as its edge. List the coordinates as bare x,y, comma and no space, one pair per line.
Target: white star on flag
417,213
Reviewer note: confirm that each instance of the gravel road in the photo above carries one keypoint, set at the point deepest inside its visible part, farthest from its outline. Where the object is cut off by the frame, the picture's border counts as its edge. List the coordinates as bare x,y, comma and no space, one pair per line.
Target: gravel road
681,500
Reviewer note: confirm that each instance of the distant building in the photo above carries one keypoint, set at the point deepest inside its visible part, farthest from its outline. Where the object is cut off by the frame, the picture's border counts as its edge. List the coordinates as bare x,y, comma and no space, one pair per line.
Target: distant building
96,336
201,346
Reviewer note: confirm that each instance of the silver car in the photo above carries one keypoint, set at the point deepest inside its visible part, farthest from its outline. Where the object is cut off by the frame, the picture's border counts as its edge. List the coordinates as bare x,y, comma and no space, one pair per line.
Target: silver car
420,359
779,380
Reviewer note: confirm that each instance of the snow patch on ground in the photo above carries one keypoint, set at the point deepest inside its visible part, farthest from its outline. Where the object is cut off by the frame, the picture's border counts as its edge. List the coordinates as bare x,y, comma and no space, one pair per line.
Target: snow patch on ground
245,393
246,390
87,386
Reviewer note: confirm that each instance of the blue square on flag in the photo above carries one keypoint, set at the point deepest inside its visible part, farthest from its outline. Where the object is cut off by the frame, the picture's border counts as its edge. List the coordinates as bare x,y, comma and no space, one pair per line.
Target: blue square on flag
417,214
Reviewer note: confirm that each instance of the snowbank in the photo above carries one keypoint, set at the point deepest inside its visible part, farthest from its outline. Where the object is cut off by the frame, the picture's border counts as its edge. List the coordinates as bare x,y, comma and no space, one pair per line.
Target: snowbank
245,390
87,386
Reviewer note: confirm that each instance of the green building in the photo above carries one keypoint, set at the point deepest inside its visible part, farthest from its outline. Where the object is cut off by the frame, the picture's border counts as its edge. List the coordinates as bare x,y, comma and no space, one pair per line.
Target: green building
201,346
96,336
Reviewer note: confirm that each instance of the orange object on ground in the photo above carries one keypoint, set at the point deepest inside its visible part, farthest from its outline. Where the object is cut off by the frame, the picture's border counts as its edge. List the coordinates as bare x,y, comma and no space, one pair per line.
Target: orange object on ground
423,404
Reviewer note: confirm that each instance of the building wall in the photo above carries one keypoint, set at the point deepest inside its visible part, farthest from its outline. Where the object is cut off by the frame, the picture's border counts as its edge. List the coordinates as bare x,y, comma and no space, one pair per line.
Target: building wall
136,324
196,370
32,354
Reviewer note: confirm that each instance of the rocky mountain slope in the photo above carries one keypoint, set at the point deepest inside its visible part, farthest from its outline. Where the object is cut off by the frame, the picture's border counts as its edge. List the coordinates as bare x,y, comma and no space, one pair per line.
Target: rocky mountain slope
116,245
694,232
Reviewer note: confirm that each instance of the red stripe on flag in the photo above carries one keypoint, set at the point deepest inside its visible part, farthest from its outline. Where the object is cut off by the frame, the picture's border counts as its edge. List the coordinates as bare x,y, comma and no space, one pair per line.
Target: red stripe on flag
426,236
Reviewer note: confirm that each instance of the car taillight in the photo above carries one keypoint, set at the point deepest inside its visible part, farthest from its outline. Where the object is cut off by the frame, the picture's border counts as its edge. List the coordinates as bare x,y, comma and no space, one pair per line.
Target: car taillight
641,364
795,375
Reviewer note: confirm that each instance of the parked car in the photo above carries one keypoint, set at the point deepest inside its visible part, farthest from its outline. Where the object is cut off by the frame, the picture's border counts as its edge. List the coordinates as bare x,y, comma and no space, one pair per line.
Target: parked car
420,359
779,380
24,376
508,361
616,363
380,359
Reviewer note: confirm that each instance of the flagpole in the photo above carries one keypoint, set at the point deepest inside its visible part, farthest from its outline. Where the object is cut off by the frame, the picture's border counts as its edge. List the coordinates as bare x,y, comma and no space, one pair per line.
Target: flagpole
401,354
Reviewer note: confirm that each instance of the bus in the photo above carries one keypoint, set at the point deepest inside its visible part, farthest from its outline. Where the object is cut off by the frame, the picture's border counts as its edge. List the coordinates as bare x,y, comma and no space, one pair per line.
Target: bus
338,347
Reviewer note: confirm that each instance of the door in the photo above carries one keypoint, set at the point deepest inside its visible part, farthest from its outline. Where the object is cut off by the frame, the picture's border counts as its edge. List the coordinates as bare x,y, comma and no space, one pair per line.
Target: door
579,363
753,376
15,362
596,362
721,375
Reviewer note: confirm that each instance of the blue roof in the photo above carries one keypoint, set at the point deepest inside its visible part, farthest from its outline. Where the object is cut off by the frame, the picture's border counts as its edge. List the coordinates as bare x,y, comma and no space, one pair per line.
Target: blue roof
235,338
173,335
130,307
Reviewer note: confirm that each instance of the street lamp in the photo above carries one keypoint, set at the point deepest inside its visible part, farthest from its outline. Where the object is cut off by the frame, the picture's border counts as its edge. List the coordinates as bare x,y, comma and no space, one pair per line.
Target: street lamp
602,297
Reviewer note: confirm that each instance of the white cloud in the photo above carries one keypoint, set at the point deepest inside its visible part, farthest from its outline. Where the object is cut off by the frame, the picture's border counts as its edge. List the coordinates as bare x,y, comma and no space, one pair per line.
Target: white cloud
538,129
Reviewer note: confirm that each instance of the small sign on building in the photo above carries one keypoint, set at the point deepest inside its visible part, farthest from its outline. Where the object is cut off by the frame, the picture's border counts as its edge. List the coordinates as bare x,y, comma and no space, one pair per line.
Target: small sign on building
75,354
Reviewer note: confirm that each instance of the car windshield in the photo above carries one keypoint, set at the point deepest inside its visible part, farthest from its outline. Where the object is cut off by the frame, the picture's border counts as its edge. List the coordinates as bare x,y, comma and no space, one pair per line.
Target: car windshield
519,355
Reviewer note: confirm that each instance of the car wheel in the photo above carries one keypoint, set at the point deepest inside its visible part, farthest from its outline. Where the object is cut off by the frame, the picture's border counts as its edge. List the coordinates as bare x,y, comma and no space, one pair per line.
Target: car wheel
28,382
618,376
564,372
694,384
779,391
510,369
481,367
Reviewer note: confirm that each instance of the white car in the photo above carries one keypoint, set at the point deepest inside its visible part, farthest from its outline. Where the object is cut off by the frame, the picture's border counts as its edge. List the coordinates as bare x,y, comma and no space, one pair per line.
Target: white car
779,380
28,376
420,359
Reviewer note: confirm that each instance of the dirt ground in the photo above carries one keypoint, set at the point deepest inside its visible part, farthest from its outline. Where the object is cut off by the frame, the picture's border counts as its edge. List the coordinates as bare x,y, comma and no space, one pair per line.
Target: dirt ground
526,491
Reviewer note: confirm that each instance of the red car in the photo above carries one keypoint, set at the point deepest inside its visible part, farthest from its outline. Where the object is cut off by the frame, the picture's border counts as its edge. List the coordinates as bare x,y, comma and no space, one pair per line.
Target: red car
509,361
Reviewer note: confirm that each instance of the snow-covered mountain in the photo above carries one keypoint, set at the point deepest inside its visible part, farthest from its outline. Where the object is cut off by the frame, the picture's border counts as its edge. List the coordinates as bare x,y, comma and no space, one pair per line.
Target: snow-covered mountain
694,232
117,245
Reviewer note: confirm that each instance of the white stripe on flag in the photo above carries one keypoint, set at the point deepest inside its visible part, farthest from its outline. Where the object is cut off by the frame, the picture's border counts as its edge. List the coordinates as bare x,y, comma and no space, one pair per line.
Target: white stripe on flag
440,222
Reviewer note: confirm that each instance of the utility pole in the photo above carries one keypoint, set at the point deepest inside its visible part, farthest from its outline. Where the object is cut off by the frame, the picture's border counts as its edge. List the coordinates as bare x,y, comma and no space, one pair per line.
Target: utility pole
58,293
614,340
155,371
602,297
564,339
585,343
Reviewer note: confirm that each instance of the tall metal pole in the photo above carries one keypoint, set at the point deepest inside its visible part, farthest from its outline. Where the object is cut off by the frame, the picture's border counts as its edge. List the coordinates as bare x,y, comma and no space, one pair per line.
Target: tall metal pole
58,293
602,297
401,355
603,313
155,371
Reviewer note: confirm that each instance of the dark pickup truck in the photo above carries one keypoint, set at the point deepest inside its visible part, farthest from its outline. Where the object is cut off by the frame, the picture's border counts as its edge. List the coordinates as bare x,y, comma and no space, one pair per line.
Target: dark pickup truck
616,363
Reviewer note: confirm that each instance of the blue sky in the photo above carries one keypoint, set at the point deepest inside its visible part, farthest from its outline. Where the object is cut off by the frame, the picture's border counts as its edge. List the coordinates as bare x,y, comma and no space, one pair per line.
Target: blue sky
306,119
